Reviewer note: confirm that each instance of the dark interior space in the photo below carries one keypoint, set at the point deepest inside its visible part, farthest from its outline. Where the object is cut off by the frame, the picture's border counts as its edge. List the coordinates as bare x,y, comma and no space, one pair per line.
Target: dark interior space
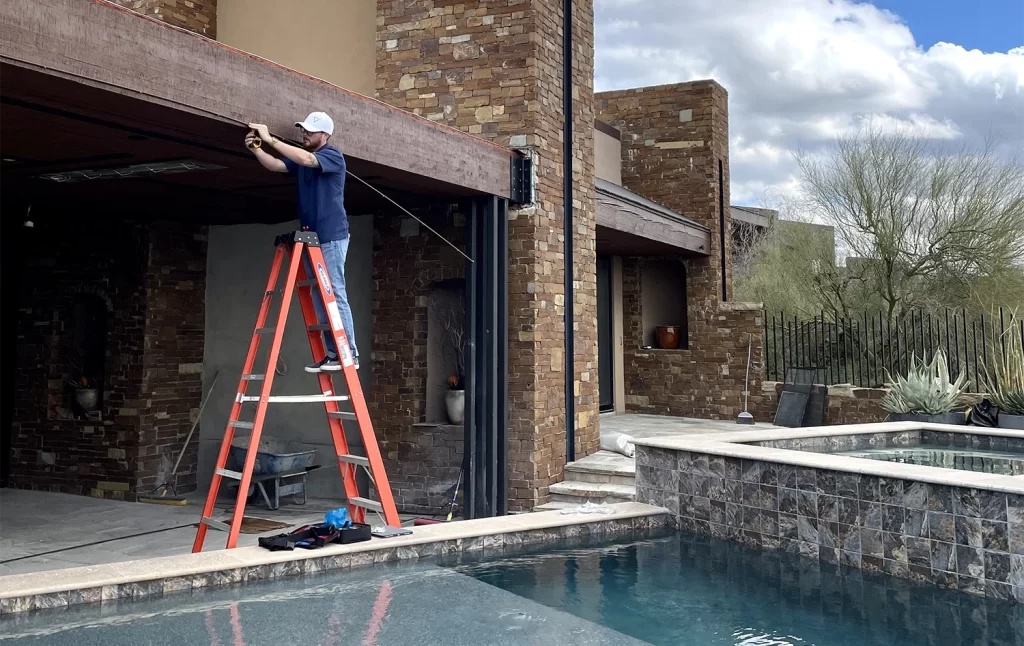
605,347
9,259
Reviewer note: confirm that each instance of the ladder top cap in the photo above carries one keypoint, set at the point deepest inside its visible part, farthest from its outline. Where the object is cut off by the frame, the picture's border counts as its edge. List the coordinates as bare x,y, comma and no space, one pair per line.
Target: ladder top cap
308,238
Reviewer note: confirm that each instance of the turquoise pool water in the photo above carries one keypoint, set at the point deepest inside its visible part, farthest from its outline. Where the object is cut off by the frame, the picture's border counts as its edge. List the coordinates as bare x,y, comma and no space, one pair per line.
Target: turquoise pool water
947,457
676,590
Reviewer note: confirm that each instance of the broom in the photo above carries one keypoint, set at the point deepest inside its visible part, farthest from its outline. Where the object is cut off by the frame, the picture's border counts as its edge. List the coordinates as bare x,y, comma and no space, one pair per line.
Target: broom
159,495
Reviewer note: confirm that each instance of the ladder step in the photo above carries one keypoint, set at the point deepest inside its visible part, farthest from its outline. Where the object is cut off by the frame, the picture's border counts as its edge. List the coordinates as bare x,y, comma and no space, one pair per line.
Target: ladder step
228,473
357,460
293,399
366,503
319,327
216,524
237,424
254,377
341,414
266,330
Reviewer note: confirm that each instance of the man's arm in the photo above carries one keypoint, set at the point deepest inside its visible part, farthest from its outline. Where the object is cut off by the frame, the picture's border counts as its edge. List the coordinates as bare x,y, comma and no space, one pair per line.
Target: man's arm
292,153
265,159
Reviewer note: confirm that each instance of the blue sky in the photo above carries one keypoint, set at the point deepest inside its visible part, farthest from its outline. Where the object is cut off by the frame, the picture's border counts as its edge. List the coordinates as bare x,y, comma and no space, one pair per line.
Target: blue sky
988,25
802,72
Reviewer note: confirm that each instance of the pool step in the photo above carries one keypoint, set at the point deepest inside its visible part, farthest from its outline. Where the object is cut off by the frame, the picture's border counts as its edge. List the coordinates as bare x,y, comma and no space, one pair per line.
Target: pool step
601,473
574,491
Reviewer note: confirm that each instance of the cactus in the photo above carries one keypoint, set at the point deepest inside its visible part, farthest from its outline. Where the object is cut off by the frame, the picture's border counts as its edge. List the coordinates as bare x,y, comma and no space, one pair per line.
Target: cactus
1005,383
926,388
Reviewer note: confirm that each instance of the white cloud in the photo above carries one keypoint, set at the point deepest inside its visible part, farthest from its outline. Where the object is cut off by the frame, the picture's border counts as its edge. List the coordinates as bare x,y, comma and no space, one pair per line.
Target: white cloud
800,72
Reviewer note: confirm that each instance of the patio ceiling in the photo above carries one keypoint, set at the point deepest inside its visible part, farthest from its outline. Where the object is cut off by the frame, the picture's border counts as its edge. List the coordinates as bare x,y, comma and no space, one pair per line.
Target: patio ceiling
88,85
631,225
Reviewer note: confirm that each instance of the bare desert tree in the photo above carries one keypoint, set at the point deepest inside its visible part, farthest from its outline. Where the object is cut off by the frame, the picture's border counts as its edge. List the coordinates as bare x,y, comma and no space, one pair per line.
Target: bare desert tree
917,222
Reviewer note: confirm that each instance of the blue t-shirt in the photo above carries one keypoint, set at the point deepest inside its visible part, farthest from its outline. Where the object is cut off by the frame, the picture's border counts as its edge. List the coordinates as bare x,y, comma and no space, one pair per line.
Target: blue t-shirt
322,194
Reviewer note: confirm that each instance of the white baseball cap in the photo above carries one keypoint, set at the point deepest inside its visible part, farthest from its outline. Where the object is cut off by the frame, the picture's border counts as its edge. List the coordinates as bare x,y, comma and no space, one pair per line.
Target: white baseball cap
317,122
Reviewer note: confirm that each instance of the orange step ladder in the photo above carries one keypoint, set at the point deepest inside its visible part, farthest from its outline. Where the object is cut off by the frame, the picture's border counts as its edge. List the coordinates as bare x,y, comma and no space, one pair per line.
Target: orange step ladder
294,245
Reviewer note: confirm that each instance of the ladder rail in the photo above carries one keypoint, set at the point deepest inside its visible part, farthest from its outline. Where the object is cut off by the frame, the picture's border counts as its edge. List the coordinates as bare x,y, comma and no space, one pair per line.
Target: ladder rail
355,393
236,407
261,409
317,347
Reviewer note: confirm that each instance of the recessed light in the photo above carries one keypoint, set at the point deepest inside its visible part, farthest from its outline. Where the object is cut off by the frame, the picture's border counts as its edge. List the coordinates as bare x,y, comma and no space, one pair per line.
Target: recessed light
10,159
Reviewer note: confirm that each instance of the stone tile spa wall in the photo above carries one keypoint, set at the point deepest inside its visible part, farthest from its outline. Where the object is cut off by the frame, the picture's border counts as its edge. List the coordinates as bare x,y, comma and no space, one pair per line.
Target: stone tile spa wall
958,538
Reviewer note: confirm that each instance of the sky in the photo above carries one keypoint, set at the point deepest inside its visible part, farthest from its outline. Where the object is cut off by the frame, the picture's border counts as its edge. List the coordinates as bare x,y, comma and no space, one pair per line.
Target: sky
801,72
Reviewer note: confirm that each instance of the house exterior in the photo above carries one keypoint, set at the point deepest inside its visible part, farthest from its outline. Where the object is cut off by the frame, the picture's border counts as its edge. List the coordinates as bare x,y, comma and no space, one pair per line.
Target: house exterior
151,284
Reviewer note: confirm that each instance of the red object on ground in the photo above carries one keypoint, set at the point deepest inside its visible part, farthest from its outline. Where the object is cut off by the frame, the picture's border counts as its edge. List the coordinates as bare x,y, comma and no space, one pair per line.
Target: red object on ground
426,521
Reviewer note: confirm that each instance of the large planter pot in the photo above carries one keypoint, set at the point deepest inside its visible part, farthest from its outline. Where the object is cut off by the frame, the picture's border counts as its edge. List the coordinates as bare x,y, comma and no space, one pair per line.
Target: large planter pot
87,398
455,403
1016,422
668,336
956,418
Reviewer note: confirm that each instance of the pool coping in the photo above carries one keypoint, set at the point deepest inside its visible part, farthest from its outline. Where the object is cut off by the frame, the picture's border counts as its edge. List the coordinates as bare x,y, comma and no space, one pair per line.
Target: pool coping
730,444
146,578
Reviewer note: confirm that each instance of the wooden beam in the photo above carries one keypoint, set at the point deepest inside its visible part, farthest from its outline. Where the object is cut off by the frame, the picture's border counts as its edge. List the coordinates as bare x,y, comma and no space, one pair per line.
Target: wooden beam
100,44
633,219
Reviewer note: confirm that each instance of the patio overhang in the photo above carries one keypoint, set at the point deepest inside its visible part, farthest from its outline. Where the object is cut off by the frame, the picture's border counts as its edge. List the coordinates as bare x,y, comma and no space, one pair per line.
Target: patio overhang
631,225
88,85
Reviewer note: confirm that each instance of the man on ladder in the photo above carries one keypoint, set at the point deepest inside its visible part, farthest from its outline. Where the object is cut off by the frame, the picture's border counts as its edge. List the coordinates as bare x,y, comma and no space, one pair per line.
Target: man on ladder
314,271
320,170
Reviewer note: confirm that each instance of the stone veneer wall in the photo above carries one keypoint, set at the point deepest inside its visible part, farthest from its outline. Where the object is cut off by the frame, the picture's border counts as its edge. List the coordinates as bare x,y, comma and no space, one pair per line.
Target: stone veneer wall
408,261
199,16
966,539
152,279
705,380
495,70
843,404
675,151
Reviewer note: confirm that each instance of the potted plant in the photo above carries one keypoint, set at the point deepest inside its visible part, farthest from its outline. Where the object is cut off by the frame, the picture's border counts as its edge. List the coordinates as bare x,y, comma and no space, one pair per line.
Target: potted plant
455,399
1005,383
926,393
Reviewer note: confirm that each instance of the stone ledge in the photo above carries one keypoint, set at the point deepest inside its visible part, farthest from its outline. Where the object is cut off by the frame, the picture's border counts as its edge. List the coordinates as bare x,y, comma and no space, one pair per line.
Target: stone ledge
135,580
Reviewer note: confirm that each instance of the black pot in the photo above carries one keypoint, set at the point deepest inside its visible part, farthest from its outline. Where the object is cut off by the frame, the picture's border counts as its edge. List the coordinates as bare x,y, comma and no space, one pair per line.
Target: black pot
1015,422
955,418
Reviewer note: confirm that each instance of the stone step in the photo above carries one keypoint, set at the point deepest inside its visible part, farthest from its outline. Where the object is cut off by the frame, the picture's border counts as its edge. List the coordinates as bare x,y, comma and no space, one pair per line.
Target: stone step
587,473
573,491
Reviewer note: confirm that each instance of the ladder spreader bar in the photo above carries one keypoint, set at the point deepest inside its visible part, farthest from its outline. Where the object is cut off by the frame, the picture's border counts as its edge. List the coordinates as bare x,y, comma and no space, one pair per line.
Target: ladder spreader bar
342,414
265,330
254,377
228,473
294,399
357,460
366,503
237,424
305,283
216,524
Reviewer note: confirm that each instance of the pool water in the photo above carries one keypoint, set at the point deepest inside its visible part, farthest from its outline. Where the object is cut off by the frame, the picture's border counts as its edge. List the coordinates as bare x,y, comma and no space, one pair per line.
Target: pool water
676,590
980,460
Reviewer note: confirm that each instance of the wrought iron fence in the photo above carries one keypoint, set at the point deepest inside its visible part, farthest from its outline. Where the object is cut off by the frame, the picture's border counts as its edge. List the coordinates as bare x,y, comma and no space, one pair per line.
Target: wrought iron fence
865,350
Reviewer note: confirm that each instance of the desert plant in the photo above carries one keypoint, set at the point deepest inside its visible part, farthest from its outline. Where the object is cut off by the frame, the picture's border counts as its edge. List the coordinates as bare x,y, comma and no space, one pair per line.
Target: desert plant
1005,381
926,388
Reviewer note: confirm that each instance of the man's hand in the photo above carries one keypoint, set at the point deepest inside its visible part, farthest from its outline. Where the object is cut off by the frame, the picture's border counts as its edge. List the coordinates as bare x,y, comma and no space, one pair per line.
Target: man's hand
262,131
249,138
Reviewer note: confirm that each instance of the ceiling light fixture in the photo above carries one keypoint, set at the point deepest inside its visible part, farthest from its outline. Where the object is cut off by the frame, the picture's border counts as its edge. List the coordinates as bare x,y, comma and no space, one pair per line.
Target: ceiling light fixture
135,170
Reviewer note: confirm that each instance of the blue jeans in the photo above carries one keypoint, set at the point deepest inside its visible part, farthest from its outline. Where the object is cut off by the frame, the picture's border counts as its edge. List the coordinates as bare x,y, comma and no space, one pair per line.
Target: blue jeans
334,253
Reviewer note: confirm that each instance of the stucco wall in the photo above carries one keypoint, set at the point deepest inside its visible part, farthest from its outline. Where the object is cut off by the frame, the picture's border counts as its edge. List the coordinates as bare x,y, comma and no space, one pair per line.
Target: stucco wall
607,157
238,265
329,39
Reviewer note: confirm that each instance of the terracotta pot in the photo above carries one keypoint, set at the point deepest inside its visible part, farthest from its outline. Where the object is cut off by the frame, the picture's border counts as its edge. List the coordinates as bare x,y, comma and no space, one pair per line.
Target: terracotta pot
668,337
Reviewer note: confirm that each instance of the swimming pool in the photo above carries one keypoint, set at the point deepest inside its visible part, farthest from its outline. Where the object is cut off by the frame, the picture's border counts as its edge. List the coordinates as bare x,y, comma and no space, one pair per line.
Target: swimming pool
933,455
680,589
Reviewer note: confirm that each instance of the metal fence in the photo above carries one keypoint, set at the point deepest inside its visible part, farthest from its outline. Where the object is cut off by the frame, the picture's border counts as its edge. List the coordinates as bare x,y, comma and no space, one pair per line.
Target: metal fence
865,350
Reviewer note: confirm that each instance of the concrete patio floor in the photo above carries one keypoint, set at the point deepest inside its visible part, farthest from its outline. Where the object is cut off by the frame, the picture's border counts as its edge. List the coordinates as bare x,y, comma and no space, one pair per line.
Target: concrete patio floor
646,426
41,531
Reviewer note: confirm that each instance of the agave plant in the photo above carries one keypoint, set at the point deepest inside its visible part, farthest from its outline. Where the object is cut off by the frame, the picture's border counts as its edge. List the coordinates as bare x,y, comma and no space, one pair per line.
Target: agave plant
926,388
1005,382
